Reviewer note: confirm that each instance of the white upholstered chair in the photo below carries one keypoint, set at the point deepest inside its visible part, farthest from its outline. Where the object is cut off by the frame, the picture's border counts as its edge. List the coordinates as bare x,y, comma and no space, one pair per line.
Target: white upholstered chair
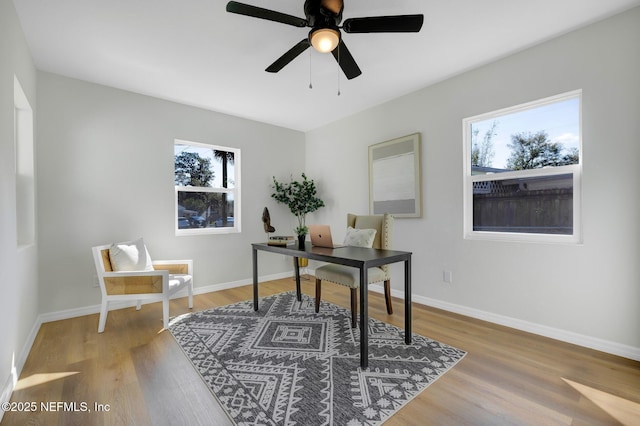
350,277
141,279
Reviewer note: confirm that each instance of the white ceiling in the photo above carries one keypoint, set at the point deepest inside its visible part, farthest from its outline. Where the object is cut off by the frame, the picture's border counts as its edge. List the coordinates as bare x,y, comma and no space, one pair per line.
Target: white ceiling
195,53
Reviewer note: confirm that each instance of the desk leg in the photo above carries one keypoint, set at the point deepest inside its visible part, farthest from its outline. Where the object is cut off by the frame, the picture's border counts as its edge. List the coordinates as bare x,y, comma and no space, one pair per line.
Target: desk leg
407,300
296,267
255,279
364,320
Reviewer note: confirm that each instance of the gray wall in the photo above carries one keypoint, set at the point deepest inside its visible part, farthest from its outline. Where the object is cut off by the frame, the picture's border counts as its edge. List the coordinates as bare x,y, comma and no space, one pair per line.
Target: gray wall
588,293
18,266
106,174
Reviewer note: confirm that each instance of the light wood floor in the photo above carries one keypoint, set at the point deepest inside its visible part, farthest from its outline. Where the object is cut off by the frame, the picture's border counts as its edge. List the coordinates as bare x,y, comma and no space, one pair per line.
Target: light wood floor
137,371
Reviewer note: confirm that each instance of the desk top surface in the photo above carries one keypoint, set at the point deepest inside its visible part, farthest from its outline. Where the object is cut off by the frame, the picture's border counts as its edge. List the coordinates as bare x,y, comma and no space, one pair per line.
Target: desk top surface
347,255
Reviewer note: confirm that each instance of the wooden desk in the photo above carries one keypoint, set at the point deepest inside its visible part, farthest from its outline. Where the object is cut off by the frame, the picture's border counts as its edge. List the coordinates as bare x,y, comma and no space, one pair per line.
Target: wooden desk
358,257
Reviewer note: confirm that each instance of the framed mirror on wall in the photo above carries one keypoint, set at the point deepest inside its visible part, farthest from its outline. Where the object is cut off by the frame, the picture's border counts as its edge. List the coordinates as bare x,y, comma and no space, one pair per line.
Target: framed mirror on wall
395,176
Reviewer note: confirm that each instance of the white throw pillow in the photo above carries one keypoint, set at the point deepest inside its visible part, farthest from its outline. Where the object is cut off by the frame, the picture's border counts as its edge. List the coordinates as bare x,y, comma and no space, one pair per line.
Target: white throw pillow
130,256
359,237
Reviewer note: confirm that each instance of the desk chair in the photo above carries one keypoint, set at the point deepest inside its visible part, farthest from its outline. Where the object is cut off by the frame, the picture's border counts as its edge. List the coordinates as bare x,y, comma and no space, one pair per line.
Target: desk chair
348,276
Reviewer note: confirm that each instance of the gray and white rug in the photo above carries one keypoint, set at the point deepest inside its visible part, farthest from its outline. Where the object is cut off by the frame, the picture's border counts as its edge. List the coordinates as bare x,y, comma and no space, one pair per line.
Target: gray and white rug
287,365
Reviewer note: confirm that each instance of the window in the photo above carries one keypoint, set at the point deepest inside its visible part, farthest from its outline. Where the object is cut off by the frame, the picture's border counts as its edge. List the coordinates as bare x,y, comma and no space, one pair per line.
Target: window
523,172
207,187
24,167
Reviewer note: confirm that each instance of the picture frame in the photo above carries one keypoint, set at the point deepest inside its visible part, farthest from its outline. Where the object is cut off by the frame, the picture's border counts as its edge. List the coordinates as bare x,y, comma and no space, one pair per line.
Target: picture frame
395,177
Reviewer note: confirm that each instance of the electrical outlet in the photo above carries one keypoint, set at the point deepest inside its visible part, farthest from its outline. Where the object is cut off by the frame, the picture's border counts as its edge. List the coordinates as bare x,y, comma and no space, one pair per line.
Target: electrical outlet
447,277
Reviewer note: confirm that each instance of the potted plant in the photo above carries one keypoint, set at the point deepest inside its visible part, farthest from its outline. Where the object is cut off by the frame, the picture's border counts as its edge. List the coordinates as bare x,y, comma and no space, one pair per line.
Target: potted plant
301,199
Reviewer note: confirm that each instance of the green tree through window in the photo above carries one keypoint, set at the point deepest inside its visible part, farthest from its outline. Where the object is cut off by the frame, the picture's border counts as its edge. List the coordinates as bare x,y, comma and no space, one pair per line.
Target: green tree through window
192,170
535,151
482,152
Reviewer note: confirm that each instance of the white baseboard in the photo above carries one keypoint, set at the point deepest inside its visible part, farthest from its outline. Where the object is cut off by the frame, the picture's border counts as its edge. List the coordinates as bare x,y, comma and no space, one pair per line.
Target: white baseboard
590,342
239,283
17,364
8,387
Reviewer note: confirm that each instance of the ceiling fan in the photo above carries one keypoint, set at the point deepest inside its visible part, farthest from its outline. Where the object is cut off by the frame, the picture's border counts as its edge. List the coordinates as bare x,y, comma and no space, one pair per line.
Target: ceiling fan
324,17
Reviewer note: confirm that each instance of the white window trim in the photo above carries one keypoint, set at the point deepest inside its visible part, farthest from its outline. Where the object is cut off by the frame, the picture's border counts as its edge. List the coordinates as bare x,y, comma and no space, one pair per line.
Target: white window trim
469,179
237,225
24,167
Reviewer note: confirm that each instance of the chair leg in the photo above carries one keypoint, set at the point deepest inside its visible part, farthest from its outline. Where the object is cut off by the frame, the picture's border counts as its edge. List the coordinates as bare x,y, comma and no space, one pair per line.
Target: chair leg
387,296
104,310
354,307
138,304
165,312
318,291
190,289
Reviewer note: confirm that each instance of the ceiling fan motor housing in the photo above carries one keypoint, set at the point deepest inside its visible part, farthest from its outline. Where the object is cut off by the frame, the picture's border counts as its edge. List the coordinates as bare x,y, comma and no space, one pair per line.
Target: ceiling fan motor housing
319,13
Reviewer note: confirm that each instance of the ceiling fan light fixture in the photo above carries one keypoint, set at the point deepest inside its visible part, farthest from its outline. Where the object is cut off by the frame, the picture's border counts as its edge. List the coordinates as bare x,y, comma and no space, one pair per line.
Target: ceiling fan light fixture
324,40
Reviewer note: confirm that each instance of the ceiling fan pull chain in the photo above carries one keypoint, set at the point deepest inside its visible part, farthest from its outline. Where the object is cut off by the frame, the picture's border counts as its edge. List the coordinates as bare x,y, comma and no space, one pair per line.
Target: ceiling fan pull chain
338,70
310,85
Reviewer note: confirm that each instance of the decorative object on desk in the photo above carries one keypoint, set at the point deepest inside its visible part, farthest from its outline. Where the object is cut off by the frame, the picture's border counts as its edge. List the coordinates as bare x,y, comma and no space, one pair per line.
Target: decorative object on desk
266,221
281,240
394,177
302,238
301,199
285,364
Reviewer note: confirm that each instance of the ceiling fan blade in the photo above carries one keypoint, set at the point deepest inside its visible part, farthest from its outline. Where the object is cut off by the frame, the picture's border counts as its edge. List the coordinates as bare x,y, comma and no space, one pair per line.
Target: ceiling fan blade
346,61
270,15
384,24
289,56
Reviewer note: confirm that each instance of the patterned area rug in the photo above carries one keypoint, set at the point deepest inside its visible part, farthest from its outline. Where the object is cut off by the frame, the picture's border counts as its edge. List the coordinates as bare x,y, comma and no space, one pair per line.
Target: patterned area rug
287,365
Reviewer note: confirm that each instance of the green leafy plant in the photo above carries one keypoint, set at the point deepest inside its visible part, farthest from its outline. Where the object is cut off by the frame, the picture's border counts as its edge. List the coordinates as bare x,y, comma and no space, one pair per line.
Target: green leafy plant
300,197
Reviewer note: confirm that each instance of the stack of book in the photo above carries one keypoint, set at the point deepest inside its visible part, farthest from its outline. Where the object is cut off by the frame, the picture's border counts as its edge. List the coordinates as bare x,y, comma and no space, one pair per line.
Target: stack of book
280,240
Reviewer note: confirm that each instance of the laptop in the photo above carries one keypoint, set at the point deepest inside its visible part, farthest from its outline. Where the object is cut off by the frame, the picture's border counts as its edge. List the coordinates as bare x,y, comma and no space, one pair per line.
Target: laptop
321,236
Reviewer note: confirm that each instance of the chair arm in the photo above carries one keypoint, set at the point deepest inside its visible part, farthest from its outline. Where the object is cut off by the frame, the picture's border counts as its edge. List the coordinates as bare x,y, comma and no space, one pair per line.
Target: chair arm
184,266
121,274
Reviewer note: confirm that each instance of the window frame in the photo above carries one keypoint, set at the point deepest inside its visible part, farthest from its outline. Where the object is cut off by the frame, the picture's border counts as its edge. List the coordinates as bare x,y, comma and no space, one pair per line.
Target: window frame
574,169
24,168
235,191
